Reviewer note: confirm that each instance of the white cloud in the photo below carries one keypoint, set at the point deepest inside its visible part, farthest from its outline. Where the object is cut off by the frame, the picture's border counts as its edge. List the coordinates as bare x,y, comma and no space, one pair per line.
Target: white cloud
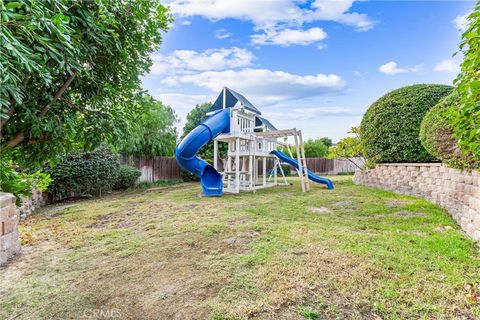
448,65
186,22
461,22
360,73
287,37
392,68
308,113
184,61
338,11
264,85
273,16
222,34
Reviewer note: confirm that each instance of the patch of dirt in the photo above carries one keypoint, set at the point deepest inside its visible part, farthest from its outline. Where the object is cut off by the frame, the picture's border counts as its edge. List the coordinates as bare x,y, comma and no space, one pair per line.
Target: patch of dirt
58,210
101,222
395,203
345,203
237,222
444,228
409,214
126,224
321,210
190,207
242,238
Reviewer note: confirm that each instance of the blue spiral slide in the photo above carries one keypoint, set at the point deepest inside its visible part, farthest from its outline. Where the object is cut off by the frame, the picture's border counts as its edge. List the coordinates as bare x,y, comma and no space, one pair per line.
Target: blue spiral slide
283,157
186,150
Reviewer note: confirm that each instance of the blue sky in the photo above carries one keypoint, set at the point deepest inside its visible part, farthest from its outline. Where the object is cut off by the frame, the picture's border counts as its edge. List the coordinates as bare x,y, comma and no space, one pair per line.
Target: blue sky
313,65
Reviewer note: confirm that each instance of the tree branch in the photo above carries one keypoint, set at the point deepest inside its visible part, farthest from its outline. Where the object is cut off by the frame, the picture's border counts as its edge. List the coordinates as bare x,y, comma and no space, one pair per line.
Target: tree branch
58,95
19,137
353,162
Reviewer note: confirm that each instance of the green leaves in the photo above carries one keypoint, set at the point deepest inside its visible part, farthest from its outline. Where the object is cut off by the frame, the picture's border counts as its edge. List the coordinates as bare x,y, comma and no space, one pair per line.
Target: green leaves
20,183
10,6
391,125
84,174
466,122
104,44
150,130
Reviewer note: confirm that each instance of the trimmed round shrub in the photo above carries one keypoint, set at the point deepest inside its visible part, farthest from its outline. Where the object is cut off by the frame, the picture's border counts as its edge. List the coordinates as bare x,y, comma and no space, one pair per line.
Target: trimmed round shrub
84,174
127,176
390,128
436,134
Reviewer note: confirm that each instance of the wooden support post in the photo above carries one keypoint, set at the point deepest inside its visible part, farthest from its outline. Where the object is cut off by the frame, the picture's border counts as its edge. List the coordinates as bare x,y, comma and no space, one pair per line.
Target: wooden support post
215,154
275,176
255,173
300,169
307,182
237,165
264,172
250,172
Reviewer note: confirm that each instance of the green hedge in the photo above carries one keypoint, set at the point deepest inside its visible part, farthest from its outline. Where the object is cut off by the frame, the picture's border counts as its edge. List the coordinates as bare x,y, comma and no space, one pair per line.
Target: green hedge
127,176
436,134
391,125
84,174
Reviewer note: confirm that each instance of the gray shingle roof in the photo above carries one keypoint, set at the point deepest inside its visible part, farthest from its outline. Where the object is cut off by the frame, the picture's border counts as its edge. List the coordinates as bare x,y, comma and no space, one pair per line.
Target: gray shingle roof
232,98
262,121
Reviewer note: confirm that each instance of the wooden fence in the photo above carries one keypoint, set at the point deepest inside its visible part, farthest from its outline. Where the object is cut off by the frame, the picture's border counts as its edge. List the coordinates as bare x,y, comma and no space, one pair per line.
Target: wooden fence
154,168
158,168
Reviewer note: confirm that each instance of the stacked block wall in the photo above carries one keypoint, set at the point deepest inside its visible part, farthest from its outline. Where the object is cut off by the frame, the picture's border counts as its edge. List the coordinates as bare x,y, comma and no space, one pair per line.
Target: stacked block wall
9,237
458,191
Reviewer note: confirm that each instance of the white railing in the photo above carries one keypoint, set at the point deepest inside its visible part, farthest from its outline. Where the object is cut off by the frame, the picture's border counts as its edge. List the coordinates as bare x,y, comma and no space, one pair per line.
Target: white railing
243,123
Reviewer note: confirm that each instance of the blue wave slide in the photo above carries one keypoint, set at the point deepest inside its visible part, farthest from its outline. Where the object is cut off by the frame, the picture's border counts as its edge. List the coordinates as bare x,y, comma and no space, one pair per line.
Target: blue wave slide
186,150
282,156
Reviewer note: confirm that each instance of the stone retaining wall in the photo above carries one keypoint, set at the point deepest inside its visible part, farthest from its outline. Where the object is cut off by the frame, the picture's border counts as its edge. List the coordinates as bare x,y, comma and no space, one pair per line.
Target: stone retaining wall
9,238
36,200
458,191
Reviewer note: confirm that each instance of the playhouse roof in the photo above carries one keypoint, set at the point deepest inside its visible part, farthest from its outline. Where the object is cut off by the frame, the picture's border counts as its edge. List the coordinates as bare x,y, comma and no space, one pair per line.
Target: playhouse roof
231,100
262,121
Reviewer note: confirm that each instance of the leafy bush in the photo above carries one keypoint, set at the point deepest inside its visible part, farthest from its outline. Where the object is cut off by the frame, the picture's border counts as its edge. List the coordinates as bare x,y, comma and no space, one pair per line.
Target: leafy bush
436,134
466,122
127,176
20,184
390,128
84,174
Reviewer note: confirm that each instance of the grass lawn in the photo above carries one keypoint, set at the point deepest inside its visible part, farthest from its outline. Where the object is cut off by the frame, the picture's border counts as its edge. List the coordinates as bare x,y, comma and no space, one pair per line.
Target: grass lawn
348,253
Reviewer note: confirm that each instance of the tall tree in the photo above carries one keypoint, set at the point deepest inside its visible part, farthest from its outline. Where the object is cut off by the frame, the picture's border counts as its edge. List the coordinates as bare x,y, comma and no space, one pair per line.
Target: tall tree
152,132
70,68
317,148
196,116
